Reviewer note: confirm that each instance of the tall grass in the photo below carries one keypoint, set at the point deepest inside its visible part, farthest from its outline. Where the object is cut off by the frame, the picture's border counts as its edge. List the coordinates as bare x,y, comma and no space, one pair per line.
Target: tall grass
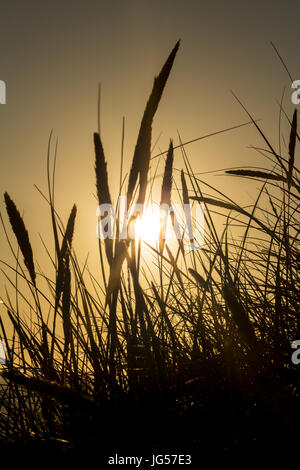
193,355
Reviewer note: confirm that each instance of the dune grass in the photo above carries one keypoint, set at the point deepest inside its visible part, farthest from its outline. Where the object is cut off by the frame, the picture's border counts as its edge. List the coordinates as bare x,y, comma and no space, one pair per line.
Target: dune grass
196,357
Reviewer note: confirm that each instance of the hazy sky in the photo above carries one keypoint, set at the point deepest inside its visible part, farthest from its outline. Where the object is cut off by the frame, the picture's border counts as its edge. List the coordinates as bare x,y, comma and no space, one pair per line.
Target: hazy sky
54,54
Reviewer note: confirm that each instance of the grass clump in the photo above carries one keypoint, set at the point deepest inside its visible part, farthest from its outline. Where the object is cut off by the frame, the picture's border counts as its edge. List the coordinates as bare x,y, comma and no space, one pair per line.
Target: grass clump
194,355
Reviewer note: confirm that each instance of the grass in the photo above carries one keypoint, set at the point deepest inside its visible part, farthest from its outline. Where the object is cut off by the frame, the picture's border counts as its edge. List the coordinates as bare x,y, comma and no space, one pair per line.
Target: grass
193,354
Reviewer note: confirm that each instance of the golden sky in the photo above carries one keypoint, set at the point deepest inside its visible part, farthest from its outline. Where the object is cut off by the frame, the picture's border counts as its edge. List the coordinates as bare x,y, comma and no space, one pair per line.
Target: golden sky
54,54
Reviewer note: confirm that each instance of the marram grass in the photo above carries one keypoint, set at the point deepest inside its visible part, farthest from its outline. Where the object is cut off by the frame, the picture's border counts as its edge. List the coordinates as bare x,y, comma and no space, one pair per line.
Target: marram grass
192,354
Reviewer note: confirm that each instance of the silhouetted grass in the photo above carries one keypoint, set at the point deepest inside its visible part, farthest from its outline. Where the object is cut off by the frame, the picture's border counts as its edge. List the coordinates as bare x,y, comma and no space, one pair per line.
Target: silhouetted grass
194,356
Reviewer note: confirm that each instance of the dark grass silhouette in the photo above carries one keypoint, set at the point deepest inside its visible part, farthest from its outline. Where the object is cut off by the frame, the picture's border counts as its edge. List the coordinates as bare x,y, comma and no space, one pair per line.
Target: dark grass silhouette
196,361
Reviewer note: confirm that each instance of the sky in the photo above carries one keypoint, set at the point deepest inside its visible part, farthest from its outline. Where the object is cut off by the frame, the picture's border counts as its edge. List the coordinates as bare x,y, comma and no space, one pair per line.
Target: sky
55,53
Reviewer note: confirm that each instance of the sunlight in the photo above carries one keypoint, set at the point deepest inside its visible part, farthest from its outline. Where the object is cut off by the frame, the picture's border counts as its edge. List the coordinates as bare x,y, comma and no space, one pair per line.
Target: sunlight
147,228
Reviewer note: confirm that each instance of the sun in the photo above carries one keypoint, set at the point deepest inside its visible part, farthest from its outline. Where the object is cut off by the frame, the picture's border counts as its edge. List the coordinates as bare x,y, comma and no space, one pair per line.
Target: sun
148,226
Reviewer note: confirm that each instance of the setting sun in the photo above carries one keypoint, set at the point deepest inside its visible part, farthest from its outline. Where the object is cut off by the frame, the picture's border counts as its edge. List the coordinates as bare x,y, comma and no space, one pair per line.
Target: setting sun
147,228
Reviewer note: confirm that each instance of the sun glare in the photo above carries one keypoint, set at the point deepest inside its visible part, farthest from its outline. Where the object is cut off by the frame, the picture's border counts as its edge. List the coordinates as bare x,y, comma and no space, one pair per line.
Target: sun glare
147,228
